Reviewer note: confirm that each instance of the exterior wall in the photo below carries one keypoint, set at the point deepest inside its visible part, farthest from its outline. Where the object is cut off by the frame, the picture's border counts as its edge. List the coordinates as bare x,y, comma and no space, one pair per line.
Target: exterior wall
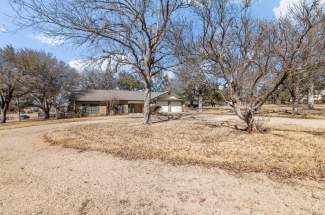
102,109
102,106
125,108
170,106
164,106
176,107
135,107
128,107
139,108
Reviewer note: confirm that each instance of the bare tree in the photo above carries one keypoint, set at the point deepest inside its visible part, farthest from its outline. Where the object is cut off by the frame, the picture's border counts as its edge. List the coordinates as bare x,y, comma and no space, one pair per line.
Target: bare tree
190,72
255,57
12,75
194,82
97,79
129,81
294,85
113,105
69,80
317,51
312,52
50,81
133,32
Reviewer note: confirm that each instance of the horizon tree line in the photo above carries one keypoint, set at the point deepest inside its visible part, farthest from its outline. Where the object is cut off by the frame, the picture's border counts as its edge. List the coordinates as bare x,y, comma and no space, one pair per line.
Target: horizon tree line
34,78
31,78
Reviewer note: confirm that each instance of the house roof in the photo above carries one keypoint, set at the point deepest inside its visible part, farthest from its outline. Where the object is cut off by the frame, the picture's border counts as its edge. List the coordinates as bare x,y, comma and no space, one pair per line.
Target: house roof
108,95
167,97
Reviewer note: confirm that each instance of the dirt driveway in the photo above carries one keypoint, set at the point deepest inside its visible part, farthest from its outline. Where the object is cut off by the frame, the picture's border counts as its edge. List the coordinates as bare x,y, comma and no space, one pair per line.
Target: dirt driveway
36,178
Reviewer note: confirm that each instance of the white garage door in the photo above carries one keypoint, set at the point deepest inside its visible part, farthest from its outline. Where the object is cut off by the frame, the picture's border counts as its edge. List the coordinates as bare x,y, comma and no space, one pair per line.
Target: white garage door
176,107
164,106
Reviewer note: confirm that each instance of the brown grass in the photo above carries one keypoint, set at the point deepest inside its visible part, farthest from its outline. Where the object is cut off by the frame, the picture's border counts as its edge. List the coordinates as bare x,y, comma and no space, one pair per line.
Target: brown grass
284,152
276,111
29,123
285,111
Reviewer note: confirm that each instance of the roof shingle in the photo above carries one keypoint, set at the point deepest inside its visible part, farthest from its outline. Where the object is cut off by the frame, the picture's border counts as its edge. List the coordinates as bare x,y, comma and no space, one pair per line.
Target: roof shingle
109,95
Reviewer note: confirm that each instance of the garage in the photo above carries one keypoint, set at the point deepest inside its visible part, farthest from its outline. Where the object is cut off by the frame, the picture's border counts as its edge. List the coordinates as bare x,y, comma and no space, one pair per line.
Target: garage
164,106
176,107
169,104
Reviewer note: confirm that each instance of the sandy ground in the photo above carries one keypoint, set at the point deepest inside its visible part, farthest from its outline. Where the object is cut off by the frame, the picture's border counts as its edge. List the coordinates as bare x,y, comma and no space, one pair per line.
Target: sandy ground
36,178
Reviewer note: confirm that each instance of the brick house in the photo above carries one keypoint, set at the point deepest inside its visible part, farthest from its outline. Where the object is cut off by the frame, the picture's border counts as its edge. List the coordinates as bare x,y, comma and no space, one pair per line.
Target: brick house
106,102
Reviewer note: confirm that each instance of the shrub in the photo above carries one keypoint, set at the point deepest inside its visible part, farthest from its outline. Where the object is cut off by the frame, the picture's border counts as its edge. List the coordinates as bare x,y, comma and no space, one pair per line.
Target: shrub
155,108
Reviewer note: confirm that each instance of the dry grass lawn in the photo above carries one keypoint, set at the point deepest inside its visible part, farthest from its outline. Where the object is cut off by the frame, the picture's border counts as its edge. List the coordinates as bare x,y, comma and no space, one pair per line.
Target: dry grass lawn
285,111
284,152
29,123
277,111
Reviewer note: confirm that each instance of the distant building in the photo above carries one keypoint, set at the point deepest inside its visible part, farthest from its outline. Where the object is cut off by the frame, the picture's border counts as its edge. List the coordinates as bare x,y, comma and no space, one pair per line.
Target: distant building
320,96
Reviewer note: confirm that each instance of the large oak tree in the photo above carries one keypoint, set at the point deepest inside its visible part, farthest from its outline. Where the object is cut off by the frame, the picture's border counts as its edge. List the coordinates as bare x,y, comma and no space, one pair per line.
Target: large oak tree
13,74
133,32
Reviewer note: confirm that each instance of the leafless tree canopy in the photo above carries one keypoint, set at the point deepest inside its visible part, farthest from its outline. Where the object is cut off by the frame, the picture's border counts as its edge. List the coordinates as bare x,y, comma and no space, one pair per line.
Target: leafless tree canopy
131,32
37,76
251,57
11,78
255,57
50,81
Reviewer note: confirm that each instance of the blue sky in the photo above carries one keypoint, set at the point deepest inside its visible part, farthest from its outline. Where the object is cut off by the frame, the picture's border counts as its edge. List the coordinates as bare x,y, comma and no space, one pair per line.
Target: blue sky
30,38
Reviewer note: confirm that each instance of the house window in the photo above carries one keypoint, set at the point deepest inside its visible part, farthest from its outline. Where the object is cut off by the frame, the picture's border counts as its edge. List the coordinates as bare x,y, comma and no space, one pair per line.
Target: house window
135,108
90,108
119,108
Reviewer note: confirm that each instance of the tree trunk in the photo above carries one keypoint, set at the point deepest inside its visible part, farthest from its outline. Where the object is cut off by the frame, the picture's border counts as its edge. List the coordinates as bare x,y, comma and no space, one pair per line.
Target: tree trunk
46,109
250,122
5,106
200,98
191,103
310,98
57,113
18,106
247,117
4,113
146,107
46,114
295,98
295,104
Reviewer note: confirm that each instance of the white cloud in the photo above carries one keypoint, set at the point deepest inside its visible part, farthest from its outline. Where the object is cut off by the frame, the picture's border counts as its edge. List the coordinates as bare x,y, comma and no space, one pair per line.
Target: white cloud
284,6
79,65
50,40
3,29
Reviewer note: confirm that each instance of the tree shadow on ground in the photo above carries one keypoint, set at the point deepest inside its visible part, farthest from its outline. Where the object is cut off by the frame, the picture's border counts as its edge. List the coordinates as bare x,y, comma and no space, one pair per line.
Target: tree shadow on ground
314,133
160,117
224,124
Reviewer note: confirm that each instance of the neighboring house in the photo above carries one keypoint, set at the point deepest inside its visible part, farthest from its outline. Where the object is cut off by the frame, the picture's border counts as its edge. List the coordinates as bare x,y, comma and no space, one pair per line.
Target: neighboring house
105,102
320,96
